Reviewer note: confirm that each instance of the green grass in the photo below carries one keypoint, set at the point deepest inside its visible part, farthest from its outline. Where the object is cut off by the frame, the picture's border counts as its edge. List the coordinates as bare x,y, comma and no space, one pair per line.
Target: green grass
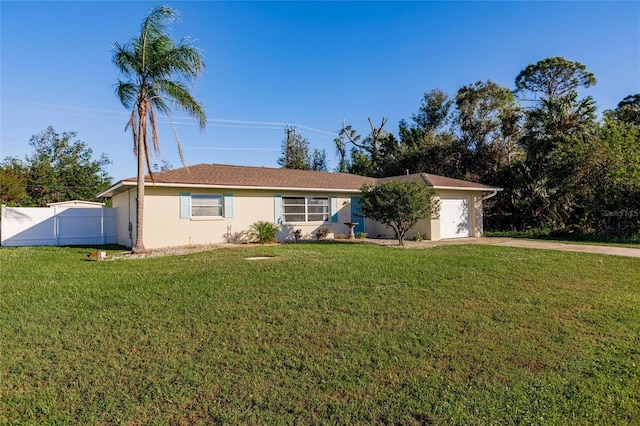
320,334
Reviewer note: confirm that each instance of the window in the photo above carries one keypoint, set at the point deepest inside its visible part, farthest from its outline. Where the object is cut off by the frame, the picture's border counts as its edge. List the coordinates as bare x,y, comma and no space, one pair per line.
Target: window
305,209
206,205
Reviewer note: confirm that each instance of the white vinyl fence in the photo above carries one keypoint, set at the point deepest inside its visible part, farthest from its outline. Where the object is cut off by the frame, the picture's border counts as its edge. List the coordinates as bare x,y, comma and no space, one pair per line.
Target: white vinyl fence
57,226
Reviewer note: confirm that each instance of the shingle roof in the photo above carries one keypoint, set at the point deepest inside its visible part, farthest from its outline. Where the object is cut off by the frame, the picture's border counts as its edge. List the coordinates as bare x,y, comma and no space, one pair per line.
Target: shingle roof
436,181
224,175
262,177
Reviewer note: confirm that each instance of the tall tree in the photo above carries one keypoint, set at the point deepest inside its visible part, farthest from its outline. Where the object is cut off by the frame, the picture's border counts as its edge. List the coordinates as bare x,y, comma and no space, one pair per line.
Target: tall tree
296,155
611,178
372,155
546,190
59,169
554,130
553,77
628,110
295,151
319,160
341,148
14,183
481,109
157,73
428,144
435,111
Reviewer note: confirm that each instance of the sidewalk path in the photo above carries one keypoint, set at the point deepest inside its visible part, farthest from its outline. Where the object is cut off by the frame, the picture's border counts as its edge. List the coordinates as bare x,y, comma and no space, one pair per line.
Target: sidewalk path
548,245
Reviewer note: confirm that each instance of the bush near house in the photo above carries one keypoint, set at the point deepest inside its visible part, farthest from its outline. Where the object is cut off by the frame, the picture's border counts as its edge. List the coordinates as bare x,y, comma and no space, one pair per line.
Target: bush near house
263,232
398,204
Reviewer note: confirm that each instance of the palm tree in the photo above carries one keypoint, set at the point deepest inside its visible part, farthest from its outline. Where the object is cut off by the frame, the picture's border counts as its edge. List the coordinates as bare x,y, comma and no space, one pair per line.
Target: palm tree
156,73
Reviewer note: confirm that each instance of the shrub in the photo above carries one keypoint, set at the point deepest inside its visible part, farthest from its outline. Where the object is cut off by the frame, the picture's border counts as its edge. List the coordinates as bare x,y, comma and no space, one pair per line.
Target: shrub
263,232
399,205
237,237
361,235
297,234
341,237
420,237
322,233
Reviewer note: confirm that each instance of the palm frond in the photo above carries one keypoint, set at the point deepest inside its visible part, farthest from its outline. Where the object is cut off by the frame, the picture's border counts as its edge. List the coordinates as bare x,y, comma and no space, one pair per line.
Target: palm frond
154,128
147,157
133,124
124,58
156,22
183,99
179,144
158,102
185,61
127,92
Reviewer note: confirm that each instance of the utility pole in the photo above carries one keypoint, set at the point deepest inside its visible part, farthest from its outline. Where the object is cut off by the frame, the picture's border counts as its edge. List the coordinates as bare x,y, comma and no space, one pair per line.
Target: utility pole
288,130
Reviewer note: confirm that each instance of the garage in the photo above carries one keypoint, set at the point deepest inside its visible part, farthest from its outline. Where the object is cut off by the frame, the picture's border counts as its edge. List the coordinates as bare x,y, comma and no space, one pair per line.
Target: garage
455,217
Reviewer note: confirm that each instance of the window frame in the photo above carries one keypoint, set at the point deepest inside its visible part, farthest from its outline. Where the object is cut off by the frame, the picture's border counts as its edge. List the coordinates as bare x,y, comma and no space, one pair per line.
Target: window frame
325,205
202,196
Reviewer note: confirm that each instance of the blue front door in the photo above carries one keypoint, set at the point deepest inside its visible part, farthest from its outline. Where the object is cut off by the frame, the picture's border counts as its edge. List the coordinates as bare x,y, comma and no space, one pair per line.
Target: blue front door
356,214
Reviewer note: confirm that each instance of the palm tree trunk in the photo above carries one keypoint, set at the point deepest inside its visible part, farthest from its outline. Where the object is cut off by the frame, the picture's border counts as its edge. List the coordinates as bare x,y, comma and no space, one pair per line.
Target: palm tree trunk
142,138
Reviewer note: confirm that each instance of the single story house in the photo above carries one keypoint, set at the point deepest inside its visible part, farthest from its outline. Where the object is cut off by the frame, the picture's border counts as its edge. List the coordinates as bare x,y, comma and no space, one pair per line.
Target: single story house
209,203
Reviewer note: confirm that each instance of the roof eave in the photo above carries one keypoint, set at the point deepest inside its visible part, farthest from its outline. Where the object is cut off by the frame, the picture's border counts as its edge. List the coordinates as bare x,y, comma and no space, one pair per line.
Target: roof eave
462,188
111,191
114,189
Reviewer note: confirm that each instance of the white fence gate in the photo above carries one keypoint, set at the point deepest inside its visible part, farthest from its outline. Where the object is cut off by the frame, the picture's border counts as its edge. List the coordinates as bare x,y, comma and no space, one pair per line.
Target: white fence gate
57,226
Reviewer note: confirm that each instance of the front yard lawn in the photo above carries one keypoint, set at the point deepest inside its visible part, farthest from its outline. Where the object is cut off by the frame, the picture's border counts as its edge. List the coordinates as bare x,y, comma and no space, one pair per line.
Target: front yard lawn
320,334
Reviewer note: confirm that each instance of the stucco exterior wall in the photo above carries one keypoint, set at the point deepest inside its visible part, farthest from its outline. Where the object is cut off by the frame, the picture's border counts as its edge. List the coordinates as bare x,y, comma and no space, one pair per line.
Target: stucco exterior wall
163,226
125,205
478,226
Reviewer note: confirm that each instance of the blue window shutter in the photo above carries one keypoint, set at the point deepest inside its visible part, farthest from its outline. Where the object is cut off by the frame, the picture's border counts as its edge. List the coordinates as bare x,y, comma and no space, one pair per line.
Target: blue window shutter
277,208
334,209
228,205
185,205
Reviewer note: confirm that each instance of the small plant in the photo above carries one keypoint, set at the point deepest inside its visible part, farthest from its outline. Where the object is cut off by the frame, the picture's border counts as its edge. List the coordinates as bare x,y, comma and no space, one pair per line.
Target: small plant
237,237
341,237
420,237
322,233
297,234
263,232
361,235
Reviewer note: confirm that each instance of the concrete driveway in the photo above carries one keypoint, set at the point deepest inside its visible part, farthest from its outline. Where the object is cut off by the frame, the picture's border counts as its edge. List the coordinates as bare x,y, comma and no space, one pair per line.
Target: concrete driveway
547,245
515,242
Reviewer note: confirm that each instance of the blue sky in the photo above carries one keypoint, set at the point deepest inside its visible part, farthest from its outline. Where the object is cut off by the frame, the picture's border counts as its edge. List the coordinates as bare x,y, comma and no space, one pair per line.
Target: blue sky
304,64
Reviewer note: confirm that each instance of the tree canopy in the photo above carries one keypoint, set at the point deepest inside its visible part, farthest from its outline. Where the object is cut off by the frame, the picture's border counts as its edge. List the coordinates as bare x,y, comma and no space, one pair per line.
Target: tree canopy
60,168
295,154
553,77
398,204
562,167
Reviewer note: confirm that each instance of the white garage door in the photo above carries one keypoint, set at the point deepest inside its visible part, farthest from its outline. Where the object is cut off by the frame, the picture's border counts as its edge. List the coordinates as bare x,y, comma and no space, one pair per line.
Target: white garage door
455,219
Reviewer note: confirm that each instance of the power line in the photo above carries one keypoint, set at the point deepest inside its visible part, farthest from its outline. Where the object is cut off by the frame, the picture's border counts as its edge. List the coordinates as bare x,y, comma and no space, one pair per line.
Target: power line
79,111
229,149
